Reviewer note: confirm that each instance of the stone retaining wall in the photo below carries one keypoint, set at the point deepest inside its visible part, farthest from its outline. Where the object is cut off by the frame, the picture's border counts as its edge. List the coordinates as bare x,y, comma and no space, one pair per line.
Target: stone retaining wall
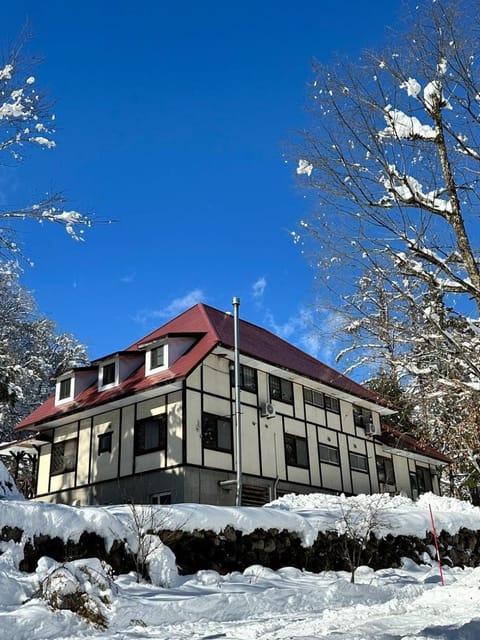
232,550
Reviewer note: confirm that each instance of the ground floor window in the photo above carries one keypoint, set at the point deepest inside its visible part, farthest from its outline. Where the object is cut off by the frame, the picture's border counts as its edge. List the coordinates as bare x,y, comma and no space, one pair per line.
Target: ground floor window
165,497
328,454
385,471
358,462
151,434
217,432
296,451
64,457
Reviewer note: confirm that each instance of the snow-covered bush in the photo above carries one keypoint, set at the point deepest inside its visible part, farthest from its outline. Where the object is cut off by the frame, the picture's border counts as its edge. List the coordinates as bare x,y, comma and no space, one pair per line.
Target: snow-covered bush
82,586
7,485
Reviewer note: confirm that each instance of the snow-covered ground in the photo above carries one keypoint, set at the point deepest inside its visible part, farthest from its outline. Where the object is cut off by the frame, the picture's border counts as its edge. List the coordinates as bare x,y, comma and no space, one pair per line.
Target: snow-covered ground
404,603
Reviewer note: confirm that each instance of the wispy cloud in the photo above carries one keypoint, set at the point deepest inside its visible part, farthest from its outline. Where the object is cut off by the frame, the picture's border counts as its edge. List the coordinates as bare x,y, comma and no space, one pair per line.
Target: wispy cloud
171,309
303,330
258,288
128,279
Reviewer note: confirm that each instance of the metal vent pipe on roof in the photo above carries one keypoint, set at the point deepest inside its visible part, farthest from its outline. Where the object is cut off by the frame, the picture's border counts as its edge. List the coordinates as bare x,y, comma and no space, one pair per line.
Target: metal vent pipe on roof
238,433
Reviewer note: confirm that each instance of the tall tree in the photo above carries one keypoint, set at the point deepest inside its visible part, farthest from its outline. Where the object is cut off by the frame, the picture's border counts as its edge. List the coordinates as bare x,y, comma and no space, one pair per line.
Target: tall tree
31,352
392,161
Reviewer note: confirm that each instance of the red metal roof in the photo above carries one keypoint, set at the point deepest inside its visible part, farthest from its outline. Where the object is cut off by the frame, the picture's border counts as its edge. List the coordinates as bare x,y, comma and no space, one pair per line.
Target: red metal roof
212,328
399,440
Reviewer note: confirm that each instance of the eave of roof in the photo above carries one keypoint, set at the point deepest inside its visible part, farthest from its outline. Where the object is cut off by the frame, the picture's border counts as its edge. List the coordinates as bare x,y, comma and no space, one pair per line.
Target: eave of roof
400,440
212,327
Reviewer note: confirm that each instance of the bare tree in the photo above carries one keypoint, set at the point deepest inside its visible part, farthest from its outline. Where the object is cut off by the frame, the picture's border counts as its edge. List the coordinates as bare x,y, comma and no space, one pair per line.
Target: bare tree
359,518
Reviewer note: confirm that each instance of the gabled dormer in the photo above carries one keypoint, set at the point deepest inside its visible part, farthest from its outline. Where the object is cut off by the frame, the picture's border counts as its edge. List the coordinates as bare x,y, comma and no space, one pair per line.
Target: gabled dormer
162,353
115,368
71,383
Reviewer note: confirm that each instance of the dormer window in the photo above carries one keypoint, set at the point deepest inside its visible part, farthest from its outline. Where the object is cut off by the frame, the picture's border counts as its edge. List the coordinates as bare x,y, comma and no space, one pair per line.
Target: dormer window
156,359
64,390
107,375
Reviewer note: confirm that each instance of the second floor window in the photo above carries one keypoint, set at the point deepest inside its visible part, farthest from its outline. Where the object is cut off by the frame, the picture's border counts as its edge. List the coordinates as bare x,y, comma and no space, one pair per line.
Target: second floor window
217,433
313,397
361,417
281,389
296,451
247,378
151,434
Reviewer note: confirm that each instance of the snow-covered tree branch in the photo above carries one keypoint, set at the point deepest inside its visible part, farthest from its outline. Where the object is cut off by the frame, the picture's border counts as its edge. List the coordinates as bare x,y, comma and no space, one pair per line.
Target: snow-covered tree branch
27,122
392,163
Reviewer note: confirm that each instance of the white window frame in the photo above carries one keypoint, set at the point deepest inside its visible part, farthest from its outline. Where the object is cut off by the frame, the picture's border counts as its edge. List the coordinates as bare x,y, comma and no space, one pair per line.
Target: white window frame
110,385
149,370
58,385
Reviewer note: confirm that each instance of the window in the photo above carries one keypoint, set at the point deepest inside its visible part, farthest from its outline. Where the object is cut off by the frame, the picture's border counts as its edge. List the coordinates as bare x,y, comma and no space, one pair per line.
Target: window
105,442
358,462
296,451
64,457
328,454
424,480
247,378
162,498
217,432
157,357
65,389
385,471
151,434
108,374
281,389
332,404
313,397
362,417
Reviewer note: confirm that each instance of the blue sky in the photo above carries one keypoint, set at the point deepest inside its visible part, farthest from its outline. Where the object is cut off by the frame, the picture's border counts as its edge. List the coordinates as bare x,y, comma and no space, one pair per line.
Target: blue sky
172,120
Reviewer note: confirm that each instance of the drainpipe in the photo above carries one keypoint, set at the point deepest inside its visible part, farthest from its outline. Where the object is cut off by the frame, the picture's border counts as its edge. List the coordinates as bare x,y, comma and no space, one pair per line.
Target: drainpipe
238,434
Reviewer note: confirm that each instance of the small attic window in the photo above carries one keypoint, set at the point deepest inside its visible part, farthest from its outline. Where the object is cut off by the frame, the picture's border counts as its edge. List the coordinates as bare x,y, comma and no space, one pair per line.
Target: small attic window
156,359
107,375
64,390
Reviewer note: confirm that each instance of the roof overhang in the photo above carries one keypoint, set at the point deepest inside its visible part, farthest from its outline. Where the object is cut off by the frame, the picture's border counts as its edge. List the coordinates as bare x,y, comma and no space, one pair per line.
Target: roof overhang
415,456
300,379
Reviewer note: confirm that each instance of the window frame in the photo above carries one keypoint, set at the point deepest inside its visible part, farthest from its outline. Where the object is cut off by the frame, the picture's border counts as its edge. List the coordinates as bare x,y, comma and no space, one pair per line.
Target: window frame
328,403
294,442
362,417
422,474
104,442
382,471
160,420
360,456
212,421
279,393
69,461
61,389
329,448
243,368
153,361
111,365
314,394
161,498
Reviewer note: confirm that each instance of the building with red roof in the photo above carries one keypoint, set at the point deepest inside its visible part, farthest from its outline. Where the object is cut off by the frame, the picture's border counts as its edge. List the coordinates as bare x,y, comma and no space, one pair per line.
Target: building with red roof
157,422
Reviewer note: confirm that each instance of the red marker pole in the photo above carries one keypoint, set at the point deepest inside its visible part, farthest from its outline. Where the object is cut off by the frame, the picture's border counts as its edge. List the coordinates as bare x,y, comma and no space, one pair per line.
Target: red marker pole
435,538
